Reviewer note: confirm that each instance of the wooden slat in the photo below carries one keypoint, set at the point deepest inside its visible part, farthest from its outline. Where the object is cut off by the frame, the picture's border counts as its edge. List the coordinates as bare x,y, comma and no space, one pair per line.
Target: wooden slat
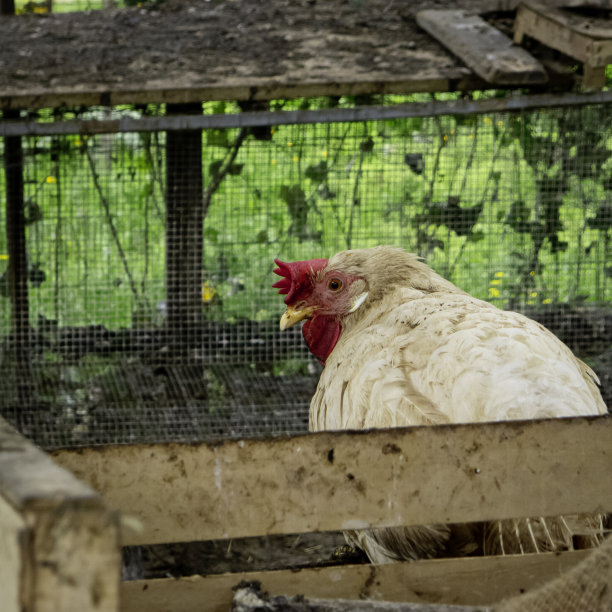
469,581
174,92
488,52
350,480
59,543
587,40
13,578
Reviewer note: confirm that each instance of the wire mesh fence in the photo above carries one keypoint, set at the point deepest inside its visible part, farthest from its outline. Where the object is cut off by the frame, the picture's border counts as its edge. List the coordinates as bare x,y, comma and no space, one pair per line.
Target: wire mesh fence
149,256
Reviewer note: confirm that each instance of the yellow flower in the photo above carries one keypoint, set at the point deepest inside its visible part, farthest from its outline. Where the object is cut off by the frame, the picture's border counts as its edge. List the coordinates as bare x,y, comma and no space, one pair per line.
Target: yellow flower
499,274
546,301
532,273
3,257
325,153
51,179
487,120
289,144
534,294
273,162
208,293
497,281
493,292
296,158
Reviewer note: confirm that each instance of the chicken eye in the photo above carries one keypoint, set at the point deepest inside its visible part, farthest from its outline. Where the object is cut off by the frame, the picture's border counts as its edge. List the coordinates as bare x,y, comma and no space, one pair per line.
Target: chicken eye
335,284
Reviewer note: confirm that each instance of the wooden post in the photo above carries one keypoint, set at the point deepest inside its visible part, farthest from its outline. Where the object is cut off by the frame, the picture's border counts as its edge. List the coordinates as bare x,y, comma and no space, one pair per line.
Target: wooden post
17,265
184,234
59,544
7,7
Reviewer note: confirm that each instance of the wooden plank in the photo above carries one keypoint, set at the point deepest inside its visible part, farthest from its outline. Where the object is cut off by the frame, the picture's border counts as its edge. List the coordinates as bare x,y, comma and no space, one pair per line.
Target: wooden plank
488,52
13,574
172,91
378,50
586,39
251,598
350,480
61,541
470,581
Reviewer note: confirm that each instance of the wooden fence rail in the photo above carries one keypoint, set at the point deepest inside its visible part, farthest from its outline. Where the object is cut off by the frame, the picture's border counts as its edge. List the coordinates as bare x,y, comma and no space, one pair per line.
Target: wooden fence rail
347,480
59,544
59,541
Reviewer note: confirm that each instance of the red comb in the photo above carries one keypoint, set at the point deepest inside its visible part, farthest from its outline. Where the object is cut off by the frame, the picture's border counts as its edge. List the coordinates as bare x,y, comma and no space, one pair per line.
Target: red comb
296,276
284,270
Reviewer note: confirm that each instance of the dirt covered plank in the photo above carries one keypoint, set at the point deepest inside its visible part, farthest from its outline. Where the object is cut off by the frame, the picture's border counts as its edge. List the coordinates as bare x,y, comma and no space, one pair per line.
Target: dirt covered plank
178,51
352,480
468,581
487,51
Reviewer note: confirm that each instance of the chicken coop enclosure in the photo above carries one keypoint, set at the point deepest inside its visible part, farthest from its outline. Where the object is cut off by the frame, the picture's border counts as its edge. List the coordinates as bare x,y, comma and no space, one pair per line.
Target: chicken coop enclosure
156,160
149,254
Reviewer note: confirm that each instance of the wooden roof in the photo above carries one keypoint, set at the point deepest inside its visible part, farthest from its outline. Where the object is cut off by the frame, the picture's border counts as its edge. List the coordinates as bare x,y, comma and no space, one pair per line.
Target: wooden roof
178,52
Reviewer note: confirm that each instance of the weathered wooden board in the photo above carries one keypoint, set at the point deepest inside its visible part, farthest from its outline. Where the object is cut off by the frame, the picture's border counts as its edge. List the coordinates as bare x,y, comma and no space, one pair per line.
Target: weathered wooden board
469,581
236,50
13,576
252,599
586,39
350,480
60,548
488,52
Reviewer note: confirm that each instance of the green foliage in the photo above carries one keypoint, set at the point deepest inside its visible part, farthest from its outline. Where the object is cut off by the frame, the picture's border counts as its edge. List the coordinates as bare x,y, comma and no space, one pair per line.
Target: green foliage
513,208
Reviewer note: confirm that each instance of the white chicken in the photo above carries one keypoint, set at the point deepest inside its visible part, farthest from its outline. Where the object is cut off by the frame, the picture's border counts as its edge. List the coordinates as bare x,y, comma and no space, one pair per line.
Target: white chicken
403,346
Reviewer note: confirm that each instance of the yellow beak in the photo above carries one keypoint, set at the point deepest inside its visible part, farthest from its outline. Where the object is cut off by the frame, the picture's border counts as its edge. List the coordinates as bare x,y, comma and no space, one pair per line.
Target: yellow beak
293,315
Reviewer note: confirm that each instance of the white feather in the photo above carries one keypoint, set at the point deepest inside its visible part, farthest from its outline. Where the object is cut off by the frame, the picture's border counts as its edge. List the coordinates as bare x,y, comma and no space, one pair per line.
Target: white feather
423,353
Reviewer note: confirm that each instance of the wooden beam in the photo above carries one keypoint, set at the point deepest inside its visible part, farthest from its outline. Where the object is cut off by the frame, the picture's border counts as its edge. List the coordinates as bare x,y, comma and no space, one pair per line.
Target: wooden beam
17,264
174,92
488,52
351,480
469,581
60,548
251,598
184,238
13,573
586,39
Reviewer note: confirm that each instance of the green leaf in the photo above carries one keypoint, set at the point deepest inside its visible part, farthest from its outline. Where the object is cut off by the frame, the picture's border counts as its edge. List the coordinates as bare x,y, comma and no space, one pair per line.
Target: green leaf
235,169
317,172
211,234
602,221
217,138
214,167
476,236
367,145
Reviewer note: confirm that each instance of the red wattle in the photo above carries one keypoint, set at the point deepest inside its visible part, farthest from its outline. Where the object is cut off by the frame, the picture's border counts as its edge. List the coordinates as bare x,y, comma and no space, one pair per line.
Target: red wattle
321,334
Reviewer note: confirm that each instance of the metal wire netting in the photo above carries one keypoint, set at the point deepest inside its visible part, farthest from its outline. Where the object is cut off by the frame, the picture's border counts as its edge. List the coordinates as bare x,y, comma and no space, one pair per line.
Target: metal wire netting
149,257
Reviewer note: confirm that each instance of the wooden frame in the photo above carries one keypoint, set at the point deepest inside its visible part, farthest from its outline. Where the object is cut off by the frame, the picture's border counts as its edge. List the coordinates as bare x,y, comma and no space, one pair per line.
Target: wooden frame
483,48
59,543
567,33
404,476
330,481
60,546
